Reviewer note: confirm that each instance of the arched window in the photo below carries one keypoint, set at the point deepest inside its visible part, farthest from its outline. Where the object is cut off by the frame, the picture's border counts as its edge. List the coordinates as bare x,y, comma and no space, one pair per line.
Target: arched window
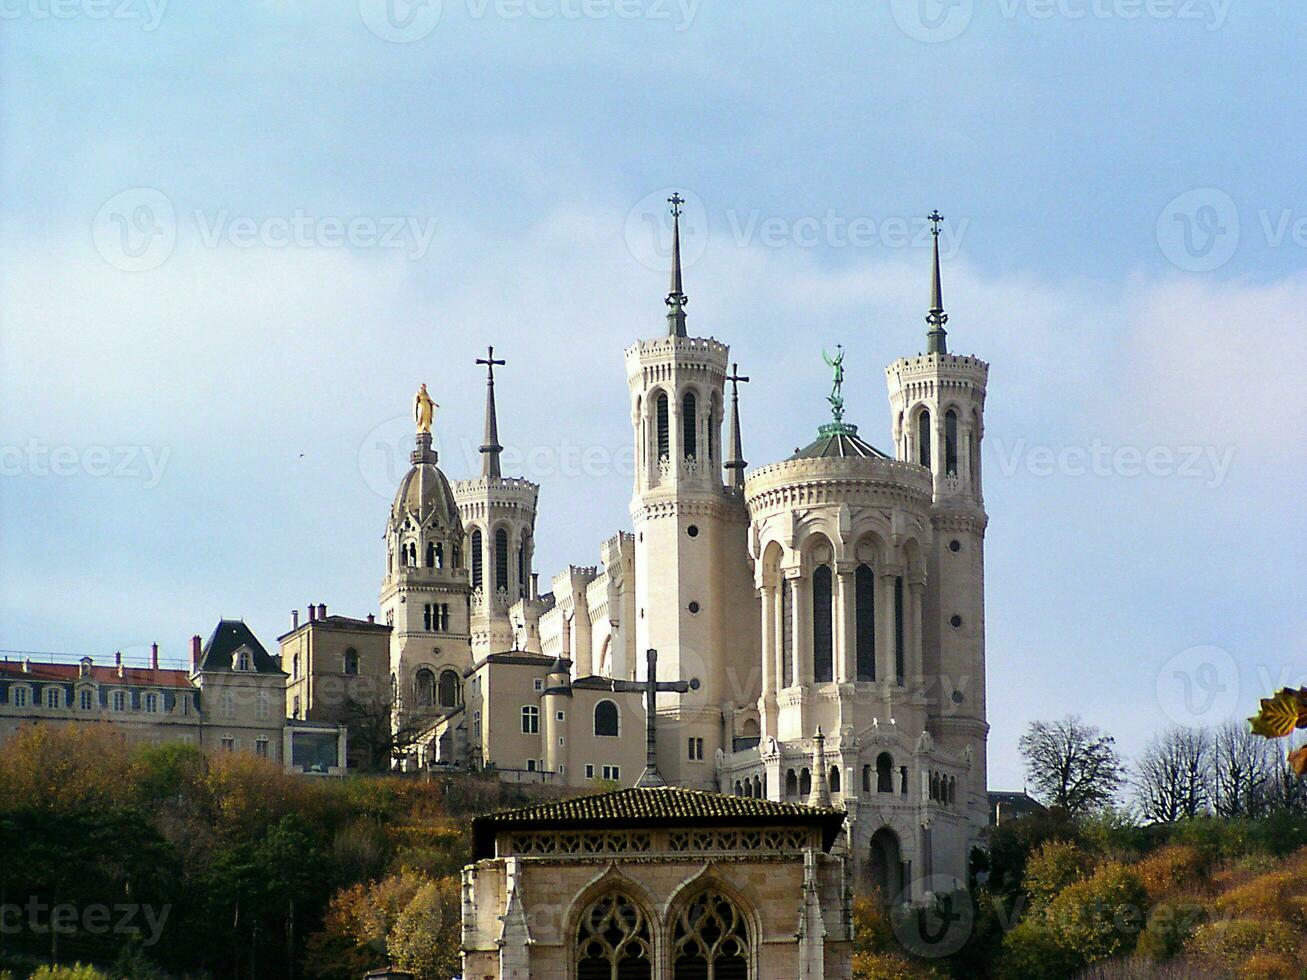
791,784
710,940
835,779
899,629
823,661
614,941
884,773
424,687
411,555
923,438
662,422
951,442
689,426
440,554
759,787
864,602
351,661
450,689
607,722
521,564
476,558
866,779
739,789
501,559
431,554
457,555
805,783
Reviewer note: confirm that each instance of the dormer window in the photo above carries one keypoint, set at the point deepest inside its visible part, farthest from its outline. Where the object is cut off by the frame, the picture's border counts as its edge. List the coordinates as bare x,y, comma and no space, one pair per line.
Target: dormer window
244,660
53,697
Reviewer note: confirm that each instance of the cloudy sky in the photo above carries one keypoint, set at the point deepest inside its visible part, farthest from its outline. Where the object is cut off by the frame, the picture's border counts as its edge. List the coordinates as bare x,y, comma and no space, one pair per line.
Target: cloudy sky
234,240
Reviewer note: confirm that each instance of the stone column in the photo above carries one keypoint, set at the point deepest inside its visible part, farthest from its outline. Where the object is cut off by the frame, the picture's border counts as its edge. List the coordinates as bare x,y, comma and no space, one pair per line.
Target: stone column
846,636
770,661
800,596
914,665
885,625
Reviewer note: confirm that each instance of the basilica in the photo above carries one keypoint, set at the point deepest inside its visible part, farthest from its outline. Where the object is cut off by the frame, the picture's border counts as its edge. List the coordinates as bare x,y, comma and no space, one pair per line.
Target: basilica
815,624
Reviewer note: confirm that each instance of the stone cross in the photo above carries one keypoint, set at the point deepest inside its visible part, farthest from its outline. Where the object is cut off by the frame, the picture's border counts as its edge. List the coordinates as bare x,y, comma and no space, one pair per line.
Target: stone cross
650,687
490,362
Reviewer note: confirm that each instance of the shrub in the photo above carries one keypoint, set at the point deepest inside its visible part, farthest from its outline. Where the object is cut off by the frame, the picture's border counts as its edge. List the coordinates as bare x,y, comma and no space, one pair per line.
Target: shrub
1234,941
1174,868
75,972
1052,868
888,966
1170,926
1269,966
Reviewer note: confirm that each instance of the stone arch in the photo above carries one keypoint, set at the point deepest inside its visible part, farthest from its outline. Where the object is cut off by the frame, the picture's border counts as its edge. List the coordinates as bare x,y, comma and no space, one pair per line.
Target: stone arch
710,881
610,882
885,863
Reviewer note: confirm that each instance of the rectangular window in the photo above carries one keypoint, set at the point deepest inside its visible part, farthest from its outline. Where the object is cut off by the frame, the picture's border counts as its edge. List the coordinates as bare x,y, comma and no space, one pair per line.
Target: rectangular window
562,769
612,772
538,684
261,748
228,704
85,699
265,704
696,750
589,771
20,697
52,698
119,701
152,703
559,716
530,720
295,711
426,618
530,765
228,743
560,740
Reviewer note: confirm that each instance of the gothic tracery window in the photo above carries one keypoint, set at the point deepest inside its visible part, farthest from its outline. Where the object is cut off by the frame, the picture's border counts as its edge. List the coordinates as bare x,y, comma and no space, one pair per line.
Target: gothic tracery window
614,941
710,940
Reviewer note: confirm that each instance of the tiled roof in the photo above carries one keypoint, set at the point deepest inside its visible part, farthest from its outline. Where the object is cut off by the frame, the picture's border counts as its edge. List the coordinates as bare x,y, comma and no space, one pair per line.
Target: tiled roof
67,673
228,637
666,806
839,440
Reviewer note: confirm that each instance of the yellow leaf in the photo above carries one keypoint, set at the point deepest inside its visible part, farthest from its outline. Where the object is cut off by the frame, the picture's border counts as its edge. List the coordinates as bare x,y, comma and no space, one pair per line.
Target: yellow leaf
1298,761
1280,715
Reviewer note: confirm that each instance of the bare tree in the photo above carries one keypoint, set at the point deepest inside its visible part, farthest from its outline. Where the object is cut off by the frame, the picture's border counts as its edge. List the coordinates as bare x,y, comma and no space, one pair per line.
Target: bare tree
1174,775
1244,766
372,724
1072,765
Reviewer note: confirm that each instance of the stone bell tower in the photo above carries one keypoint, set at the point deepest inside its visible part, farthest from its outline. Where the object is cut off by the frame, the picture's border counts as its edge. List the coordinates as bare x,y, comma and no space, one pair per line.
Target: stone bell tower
938,405
499,515
694,590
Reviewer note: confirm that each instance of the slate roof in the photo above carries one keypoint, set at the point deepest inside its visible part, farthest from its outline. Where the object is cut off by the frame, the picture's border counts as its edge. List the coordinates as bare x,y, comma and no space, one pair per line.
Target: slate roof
839,440
664,806
68,673
228,637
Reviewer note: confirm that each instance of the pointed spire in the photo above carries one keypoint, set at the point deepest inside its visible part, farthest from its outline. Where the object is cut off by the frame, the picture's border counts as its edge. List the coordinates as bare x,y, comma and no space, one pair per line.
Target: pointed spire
936,336
820,795
490,448
676,299
735,458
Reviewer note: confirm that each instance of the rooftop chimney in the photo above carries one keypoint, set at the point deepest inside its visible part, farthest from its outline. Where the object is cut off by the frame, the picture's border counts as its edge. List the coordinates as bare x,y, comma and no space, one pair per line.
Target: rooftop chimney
154,656
27,665
322,610
313,612
195,653
294,619
118,662
372,618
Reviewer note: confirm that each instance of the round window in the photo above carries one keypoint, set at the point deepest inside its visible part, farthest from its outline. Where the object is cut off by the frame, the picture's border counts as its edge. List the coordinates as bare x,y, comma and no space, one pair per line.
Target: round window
956,621
955,546
692,530
694,608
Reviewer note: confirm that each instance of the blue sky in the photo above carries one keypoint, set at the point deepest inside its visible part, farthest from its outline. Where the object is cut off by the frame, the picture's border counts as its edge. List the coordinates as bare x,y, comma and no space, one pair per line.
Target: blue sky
234,240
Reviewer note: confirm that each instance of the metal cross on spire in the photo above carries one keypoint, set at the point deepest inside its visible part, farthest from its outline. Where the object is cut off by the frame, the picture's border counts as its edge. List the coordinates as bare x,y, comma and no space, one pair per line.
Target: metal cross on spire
676,298
650,687
936,336
735,460
490,448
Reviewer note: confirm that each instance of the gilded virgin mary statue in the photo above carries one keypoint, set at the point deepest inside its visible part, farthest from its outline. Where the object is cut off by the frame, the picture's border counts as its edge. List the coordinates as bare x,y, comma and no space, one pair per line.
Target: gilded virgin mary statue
424,410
